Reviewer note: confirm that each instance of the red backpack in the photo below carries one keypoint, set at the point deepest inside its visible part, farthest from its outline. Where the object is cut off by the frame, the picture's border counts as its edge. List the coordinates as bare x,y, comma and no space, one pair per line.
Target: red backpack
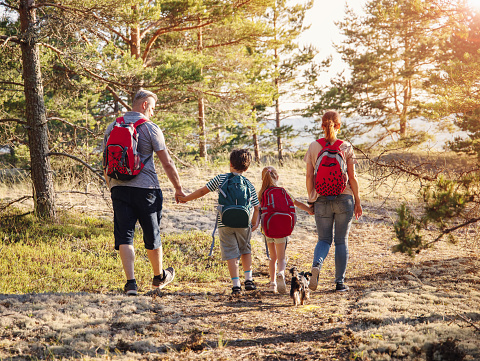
331,175
277,213
120,157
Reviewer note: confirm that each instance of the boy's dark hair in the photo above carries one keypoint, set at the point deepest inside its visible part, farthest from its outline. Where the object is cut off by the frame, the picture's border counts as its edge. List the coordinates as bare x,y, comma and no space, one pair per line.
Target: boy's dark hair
240,159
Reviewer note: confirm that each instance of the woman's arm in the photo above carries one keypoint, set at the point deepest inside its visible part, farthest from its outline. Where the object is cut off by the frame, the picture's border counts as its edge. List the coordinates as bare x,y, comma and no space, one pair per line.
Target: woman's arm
197,194
303,207
352,178
309,180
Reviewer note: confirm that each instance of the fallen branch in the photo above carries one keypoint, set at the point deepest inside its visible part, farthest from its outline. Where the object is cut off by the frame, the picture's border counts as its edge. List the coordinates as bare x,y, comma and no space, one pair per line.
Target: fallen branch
467,321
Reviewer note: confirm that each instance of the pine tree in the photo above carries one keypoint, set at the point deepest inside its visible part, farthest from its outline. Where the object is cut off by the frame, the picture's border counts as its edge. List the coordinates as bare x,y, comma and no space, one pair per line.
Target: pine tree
391,51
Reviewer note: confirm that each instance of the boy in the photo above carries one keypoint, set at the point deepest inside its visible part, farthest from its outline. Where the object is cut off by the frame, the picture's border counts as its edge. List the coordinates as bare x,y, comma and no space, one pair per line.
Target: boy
234,242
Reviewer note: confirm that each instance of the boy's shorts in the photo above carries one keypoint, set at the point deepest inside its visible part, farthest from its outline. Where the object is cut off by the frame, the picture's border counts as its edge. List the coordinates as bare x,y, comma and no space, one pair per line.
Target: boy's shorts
131,204
276,240
234,242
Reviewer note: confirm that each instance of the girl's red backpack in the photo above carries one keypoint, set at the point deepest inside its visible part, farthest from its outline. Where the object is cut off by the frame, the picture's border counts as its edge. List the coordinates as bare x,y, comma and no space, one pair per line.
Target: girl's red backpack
331,175
277,213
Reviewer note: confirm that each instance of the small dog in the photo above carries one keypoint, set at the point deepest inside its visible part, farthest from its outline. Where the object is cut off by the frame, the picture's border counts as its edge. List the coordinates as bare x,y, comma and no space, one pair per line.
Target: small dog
299,291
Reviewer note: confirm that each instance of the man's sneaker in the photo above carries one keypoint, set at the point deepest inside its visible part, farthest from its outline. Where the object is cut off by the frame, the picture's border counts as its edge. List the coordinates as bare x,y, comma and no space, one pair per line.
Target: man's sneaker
314,279
272,287
236,290
281,286
250,286
131,288
168,276
341,287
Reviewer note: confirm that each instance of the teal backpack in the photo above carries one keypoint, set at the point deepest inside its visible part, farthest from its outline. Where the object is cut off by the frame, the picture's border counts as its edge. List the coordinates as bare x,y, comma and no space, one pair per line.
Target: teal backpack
234,204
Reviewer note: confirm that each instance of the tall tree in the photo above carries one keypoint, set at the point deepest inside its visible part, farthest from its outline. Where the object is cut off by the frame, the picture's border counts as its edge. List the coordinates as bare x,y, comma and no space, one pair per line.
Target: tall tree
35,117
456,80
289,59
390,51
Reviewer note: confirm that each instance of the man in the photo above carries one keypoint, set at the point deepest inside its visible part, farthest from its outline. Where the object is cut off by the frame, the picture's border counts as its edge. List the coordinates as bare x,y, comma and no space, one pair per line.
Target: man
141,197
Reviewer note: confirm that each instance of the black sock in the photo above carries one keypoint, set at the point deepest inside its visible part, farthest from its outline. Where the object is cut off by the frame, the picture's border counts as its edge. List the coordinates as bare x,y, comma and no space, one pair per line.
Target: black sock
131,281
160,277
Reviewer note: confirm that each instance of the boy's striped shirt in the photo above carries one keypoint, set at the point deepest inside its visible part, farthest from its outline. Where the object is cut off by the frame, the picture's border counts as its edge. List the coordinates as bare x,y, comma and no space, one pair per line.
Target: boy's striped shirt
215,183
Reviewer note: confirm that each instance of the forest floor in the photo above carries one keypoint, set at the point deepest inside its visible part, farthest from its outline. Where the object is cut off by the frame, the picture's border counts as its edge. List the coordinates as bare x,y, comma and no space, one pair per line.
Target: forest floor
396,308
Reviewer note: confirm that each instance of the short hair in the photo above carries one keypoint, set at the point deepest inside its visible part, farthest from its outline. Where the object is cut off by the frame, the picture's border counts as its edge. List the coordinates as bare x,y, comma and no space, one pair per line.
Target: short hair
143,95
240,159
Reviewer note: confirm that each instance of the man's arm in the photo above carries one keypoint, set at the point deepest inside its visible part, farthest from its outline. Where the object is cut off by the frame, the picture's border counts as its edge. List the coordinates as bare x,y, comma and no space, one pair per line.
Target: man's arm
171,171
197,194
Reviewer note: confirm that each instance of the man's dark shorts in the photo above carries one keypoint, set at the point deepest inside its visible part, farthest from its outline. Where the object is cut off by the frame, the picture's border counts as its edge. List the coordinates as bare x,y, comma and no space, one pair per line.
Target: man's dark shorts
131,204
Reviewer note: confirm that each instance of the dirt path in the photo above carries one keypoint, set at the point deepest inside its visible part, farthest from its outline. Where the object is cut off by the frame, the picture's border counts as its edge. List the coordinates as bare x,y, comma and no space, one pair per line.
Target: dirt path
396,309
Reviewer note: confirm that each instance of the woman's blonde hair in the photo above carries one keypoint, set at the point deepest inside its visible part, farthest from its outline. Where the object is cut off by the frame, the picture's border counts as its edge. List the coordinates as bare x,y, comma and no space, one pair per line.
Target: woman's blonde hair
269,179
329,120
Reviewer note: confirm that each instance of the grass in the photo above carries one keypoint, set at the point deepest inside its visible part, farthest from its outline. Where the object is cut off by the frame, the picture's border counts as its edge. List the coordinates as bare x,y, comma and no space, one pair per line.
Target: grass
76,254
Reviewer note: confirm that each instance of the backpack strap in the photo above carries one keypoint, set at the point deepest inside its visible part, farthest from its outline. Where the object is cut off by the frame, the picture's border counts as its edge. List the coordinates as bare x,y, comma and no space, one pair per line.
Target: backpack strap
322,142
337,144
213,238
139,122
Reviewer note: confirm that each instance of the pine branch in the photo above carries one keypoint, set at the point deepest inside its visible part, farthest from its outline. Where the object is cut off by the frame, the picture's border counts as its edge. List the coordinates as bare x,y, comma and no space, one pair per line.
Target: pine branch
450,230
12,120
74,126
15,201
95,171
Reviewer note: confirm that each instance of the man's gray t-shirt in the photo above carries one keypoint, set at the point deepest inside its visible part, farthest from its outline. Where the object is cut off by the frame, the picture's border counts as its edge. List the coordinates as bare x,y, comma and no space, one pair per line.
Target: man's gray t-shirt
150,140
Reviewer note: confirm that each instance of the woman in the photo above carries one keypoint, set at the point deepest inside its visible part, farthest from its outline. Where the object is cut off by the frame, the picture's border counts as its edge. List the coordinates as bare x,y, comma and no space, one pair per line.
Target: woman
332,216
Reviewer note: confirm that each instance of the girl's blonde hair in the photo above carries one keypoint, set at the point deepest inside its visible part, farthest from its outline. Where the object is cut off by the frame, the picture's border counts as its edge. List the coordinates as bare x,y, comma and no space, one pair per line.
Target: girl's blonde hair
269,179
329,120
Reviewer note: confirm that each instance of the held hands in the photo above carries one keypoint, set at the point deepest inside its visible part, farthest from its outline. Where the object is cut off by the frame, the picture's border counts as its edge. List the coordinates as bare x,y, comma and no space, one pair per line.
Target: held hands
178,195
254,226
311,210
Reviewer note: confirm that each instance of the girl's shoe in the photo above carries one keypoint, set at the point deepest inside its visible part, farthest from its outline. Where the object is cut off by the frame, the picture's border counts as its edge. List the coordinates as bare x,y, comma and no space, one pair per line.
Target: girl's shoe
282,287
272,287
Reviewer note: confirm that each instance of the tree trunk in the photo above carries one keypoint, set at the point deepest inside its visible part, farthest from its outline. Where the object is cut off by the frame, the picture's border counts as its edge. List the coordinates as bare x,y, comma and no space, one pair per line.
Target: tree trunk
202,144
43,191
135,36
277,112
277,124
202,136
256,148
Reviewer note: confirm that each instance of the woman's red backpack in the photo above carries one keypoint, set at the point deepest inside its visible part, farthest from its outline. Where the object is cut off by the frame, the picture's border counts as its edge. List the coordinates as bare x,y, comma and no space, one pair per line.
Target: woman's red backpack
120,157
331,175
277,213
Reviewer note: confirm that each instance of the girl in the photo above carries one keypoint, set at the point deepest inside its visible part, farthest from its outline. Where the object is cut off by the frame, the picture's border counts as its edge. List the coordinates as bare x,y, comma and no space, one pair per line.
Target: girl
277,246
333,217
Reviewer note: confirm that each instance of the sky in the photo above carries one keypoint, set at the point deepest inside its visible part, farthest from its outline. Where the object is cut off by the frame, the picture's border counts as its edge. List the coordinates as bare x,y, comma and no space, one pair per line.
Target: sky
323,32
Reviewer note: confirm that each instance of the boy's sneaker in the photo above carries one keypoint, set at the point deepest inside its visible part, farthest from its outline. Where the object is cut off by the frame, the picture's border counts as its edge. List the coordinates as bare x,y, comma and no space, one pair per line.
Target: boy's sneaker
131,288
313,283
250,286
236,290
341,287
168,276
281,286
272,287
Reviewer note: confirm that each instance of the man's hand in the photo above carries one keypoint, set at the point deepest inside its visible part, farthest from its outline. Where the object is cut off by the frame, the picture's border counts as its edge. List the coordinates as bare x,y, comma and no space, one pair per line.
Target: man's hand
179,193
